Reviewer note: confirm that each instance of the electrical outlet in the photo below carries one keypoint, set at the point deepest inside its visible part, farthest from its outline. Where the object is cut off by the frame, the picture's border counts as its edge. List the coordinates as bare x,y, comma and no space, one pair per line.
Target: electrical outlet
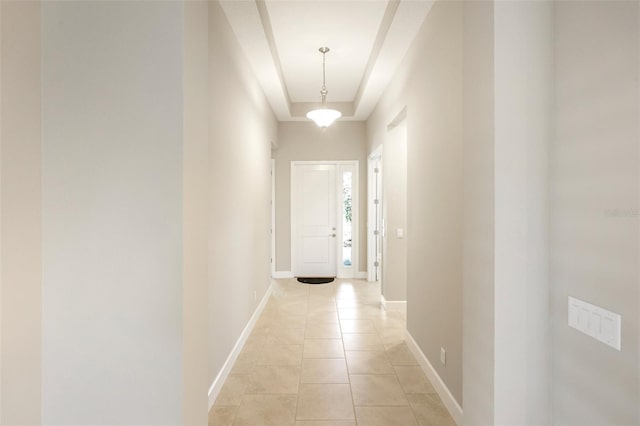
255,295
443,356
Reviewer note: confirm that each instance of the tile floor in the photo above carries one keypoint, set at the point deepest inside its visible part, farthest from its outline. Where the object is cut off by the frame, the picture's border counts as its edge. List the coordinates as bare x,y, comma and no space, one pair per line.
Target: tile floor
327,355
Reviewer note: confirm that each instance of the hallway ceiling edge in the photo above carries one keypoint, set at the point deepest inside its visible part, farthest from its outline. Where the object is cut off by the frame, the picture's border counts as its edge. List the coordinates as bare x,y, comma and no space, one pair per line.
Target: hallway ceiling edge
368,40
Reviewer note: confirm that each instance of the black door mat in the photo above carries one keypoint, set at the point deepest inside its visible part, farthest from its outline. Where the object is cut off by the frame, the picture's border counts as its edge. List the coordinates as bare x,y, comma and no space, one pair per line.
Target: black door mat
315,280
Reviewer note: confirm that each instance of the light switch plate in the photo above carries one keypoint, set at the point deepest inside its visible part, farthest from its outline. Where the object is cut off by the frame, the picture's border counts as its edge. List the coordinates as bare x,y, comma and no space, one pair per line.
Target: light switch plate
594,321
400,233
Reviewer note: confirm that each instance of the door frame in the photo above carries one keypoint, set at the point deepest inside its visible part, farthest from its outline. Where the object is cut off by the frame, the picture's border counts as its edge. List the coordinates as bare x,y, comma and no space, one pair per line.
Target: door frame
273,217
352,272
376,155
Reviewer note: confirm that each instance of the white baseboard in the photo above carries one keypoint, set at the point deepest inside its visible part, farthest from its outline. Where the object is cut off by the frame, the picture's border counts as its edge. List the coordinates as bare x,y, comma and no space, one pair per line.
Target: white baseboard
361,275
443,391
282,274
216,386
393,305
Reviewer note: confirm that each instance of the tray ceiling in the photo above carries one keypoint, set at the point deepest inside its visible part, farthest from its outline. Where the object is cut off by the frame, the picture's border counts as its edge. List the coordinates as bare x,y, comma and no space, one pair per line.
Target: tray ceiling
368,40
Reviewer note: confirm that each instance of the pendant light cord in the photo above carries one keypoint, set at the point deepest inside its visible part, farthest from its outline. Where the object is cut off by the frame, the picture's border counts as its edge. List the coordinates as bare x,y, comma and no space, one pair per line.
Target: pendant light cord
322,116
324,90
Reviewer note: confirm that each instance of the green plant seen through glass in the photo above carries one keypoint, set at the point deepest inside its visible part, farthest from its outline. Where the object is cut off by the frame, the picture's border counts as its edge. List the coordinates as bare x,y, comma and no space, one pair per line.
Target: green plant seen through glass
347,203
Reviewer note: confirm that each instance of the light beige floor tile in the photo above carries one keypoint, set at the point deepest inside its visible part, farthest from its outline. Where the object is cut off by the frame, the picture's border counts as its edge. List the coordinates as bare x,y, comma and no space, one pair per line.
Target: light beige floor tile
401,355
400,314
328,290
413,380
322,305
324,402
323,348
292,321
299,338
368,362
429,410
368,299
385,416
274,379
351,313
377,390
358,326
392,336
322,331
245,362
324,371
362,342
322,317
265,319
257,337
345,293
389,322
222,416
292,295
266,410
254,348
281,355
285,336
233,390
293,308
363,312
322,299
347,303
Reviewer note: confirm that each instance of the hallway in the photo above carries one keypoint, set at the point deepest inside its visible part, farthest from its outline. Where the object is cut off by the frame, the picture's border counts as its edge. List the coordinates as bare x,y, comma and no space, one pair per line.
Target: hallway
327,355
149,221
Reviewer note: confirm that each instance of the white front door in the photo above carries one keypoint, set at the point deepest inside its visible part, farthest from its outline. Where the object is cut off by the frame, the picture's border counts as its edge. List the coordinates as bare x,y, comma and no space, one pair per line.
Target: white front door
314,220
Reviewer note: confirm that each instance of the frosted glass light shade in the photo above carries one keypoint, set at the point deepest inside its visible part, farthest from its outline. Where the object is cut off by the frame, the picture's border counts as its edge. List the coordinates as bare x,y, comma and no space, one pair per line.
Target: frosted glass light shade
324,117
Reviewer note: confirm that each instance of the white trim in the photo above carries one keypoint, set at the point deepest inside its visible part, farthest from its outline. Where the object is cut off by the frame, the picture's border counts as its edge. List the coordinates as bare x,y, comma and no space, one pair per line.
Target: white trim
443,391
282,274
292,217
371,195
217,384
273,216
402,115
348,271
393,305
362,275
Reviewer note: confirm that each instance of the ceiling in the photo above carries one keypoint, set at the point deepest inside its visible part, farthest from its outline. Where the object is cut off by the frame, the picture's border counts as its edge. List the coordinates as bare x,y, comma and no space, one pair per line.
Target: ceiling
367,38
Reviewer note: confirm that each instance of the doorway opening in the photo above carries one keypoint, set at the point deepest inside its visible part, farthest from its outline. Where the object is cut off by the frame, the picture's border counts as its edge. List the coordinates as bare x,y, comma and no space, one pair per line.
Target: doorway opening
394,214
324,218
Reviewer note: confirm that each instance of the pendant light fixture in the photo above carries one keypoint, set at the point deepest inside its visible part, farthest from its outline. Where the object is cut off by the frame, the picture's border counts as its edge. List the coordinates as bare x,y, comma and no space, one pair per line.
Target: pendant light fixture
324,117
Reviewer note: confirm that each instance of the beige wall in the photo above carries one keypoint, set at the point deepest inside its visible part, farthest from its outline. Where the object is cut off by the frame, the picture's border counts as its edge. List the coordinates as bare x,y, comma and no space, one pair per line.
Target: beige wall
593,188
20,213
133,241
112,212
195,212
502,117
429,84
394,206
595,182
523,53
479,214
304,141
241,128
